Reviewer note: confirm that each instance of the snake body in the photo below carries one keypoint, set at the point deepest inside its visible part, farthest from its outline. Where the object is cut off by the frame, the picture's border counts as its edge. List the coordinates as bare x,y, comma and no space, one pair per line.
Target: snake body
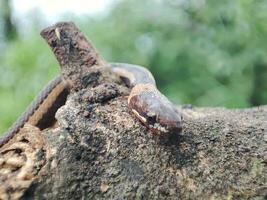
145,101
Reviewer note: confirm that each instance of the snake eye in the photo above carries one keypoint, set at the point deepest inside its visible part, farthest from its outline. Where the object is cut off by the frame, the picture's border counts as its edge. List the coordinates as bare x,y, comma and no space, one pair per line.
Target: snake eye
151,118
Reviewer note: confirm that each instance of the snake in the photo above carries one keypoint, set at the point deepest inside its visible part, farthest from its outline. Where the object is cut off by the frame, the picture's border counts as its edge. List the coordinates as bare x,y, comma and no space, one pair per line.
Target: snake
145,101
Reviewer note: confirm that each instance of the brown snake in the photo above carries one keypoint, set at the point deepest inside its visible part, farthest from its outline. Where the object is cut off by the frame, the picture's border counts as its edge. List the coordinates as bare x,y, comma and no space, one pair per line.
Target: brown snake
147,103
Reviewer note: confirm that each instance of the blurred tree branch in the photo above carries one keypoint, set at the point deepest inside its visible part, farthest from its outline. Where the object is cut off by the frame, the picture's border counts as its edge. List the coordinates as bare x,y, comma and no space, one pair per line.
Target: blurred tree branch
258,97
9,28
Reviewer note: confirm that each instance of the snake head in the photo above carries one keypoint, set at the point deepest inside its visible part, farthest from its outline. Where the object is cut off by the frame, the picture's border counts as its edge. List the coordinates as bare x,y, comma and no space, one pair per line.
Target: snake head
154,109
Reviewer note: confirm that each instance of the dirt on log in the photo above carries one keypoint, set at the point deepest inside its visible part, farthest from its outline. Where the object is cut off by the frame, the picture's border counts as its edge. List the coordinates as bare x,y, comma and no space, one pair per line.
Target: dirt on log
99,150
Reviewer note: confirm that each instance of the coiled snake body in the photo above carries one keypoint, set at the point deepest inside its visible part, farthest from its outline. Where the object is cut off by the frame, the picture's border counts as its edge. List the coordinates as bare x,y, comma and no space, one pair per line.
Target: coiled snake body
150,106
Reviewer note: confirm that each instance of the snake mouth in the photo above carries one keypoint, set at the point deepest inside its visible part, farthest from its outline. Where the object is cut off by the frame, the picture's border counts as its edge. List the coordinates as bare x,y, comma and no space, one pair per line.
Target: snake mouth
157,128
172,126
151,123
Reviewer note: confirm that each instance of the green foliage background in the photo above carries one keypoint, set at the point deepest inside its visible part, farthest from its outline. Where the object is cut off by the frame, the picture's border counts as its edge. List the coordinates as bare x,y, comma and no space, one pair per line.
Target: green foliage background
201,52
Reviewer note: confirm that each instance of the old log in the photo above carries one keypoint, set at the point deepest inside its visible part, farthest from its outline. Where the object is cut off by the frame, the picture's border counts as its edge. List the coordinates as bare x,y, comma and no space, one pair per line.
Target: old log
99,150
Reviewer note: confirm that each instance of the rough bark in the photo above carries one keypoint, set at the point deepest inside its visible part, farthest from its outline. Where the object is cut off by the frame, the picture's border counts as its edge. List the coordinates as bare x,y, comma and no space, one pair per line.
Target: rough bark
101,151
